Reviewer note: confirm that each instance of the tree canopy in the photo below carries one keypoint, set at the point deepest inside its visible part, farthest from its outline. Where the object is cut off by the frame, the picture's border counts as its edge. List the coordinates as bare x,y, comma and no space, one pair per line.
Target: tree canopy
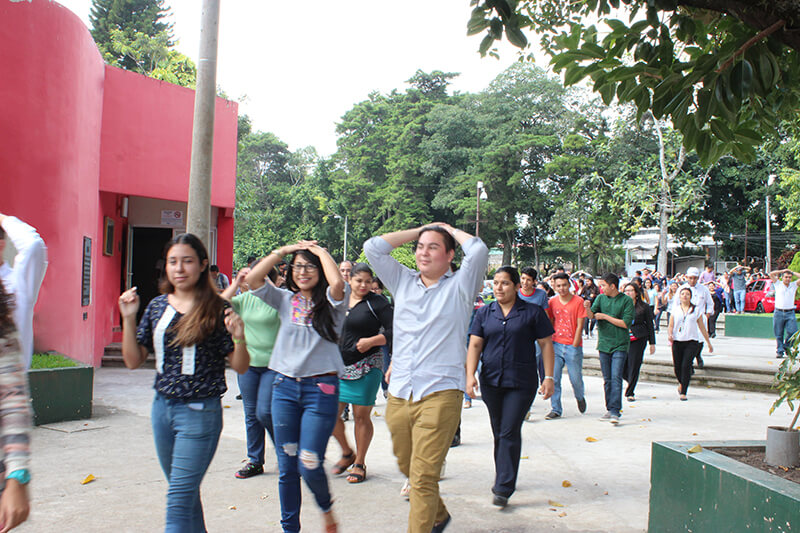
724,72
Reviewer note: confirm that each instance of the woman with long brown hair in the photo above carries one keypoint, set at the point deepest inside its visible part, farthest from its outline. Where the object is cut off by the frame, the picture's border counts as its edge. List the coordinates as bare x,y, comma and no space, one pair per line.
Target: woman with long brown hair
307,365
186,329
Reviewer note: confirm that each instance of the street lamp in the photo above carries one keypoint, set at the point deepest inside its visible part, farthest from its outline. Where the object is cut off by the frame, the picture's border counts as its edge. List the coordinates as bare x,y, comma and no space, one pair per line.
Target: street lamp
344,254
480,195
768,262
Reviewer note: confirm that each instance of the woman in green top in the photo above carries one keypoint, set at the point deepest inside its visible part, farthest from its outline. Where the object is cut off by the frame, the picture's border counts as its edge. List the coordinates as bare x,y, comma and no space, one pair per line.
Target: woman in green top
260,329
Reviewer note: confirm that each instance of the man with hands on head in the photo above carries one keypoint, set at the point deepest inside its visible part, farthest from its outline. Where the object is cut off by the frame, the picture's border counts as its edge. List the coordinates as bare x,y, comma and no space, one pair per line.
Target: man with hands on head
426,379
784,323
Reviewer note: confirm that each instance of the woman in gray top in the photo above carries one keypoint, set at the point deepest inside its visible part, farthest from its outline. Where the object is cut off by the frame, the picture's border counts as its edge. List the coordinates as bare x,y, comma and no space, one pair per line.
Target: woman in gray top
307,362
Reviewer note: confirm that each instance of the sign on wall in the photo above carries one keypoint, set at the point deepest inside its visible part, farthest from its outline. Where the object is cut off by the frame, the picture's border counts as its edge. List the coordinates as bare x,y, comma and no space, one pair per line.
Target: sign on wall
86,278
171,217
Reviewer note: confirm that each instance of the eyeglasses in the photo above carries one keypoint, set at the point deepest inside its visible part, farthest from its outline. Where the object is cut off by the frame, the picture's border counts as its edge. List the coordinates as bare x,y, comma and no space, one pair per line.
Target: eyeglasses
304,267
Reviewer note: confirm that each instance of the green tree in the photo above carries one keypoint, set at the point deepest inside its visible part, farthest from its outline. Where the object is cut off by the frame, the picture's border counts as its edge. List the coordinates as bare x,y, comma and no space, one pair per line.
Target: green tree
130,17
725,72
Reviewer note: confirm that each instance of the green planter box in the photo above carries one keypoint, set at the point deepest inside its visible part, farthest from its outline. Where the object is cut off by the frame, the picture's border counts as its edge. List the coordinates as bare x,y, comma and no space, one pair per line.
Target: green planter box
708,492
751,325
59,394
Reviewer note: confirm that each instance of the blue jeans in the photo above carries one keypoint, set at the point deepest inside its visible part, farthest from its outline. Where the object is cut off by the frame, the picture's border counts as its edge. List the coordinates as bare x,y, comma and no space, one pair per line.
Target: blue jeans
303,414
738,298
572,357
507,408
256,388
612,364
783,323
186,434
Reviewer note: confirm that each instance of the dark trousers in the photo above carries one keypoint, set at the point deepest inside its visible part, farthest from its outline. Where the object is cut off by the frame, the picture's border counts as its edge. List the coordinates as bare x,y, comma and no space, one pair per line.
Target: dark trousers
712,324
683,353
633,364
507,408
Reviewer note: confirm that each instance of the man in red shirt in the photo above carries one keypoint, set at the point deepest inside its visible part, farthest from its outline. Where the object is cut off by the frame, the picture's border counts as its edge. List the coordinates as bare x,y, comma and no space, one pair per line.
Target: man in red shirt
567,314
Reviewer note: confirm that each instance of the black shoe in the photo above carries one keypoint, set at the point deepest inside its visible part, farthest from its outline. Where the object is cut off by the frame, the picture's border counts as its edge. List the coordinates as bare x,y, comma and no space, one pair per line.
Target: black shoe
582,405
438,528
552,415
700,363
238,396
456,438
346,413
250,470
779,356
500,501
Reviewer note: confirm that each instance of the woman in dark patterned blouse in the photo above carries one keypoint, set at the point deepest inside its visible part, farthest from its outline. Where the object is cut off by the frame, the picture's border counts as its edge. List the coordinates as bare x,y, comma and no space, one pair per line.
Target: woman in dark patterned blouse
186,330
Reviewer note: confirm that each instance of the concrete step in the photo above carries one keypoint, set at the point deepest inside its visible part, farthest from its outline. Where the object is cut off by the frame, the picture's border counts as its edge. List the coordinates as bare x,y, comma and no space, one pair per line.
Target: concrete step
711,375
112,356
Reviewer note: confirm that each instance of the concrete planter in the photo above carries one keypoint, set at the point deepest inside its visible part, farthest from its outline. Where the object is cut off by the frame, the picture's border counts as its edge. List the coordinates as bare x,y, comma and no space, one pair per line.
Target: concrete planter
60,394
757,326
783,446
709,492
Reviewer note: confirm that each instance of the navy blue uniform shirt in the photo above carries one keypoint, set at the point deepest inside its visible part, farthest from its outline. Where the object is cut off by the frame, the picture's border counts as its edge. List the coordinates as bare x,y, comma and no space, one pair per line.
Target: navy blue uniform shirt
509,353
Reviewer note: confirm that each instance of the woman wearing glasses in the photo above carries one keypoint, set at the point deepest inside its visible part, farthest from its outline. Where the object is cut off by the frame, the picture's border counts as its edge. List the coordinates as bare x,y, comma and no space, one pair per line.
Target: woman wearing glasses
307,363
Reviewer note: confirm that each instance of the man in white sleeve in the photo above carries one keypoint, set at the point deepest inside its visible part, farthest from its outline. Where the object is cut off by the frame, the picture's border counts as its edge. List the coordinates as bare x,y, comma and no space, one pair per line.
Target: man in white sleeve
24,279
427,377
784,323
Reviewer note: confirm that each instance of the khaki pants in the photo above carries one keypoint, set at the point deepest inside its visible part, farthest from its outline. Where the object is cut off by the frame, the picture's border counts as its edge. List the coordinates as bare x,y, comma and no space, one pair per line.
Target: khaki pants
421,436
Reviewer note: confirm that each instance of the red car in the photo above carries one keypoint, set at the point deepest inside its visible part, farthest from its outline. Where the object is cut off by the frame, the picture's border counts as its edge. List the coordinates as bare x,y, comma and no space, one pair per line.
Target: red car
760,297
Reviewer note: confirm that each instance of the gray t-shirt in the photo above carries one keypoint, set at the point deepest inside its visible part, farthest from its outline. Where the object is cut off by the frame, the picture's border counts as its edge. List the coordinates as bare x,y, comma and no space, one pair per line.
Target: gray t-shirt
739,281
299,350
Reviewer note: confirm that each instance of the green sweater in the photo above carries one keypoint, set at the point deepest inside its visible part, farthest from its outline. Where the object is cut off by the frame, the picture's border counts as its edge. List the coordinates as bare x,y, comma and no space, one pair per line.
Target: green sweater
261,324
611,338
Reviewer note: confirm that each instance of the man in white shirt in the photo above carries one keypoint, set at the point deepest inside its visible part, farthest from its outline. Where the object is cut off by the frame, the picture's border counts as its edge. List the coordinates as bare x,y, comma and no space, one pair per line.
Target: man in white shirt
427,377
701,298
784,323
24,279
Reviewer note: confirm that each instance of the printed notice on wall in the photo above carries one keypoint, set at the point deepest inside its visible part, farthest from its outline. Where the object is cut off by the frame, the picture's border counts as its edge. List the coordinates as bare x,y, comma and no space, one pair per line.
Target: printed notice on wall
172,218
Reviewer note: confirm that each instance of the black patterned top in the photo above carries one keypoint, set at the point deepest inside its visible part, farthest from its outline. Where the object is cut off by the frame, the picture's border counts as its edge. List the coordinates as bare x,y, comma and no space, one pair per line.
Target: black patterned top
184,373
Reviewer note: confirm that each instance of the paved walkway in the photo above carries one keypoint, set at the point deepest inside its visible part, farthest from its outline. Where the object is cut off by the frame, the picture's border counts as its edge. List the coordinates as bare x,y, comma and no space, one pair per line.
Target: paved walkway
609,478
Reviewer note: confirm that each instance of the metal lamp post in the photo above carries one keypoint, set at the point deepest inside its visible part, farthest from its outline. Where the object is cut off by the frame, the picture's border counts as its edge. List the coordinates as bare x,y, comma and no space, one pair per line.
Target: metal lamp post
480,195
344,253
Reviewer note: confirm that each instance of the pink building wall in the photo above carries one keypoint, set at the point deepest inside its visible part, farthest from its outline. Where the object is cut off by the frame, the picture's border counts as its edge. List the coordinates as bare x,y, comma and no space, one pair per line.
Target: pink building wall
75,137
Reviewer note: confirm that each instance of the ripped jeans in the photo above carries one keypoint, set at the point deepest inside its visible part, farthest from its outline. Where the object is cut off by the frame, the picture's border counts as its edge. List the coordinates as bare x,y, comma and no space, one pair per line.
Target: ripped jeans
303,416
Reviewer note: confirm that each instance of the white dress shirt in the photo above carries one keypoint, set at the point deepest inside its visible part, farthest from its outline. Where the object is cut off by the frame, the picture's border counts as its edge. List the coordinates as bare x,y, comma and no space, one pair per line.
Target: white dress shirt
429,346
701,298
684,325
784,296
24,278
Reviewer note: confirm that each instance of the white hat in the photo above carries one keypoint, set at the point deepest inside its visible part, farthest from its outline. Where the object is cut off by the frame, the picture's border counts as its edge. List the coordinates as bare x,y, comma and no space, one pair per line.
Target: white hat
693,271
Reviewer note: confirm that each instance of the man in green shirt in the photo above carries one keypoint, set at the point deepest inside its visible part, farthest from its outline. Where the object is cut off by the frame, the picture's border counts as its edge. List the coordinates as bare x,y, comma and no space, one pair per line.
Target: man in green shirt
614,314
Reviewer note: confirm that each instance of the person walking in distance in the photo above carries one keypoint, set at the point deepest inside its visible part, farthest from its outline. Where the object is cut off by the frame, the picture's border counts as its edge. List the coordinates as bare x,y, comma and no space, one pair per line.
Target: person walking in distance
642,332
614,313
784,323
567,314
701,298
427,380
686,325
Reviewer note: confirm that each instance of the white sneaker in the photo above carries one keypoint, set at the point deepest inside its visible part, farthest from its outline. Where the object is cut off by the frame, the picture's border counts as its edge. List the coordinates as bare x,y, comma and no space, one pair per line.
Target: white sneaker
606,417
614,419
405,491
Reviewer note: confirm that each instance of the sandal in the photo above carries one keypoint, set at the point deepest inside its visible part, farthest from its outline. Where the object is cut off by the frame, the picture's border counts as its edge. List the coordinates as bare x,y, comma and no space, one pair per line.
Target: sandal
353,477
343,464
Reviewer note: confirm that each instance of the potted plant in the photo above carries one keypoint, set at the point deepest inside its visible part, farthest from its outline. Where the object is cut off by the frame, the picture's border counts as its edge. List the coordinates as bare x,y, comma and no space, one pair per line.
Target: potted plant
61,388
783,443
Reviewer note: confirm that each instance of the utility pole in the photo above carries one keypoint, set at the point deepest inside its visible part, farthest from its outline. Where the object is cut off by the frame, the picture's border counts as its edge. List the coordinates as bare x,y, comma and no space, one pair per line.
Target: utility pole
198,218
768,262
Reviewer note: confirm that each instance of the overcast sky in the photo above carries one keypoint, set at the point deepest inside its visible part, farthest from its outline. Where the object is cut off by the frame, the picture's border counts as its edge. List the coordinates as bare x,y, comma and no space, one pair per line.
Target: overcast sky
299,66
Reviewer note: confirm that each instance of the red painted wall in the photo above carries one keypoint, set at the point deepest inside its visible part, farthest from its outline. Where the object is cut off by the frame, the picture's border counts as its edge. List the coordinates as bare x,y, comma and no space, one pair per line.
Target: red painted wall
75,136
147,140
51,94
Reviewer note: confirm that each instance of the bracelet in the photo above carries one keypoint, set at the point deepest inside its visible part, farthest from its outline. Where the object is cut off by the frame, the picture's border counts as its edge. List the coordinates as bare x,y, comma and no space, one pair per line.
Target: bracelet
237,341
22,475
548,377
